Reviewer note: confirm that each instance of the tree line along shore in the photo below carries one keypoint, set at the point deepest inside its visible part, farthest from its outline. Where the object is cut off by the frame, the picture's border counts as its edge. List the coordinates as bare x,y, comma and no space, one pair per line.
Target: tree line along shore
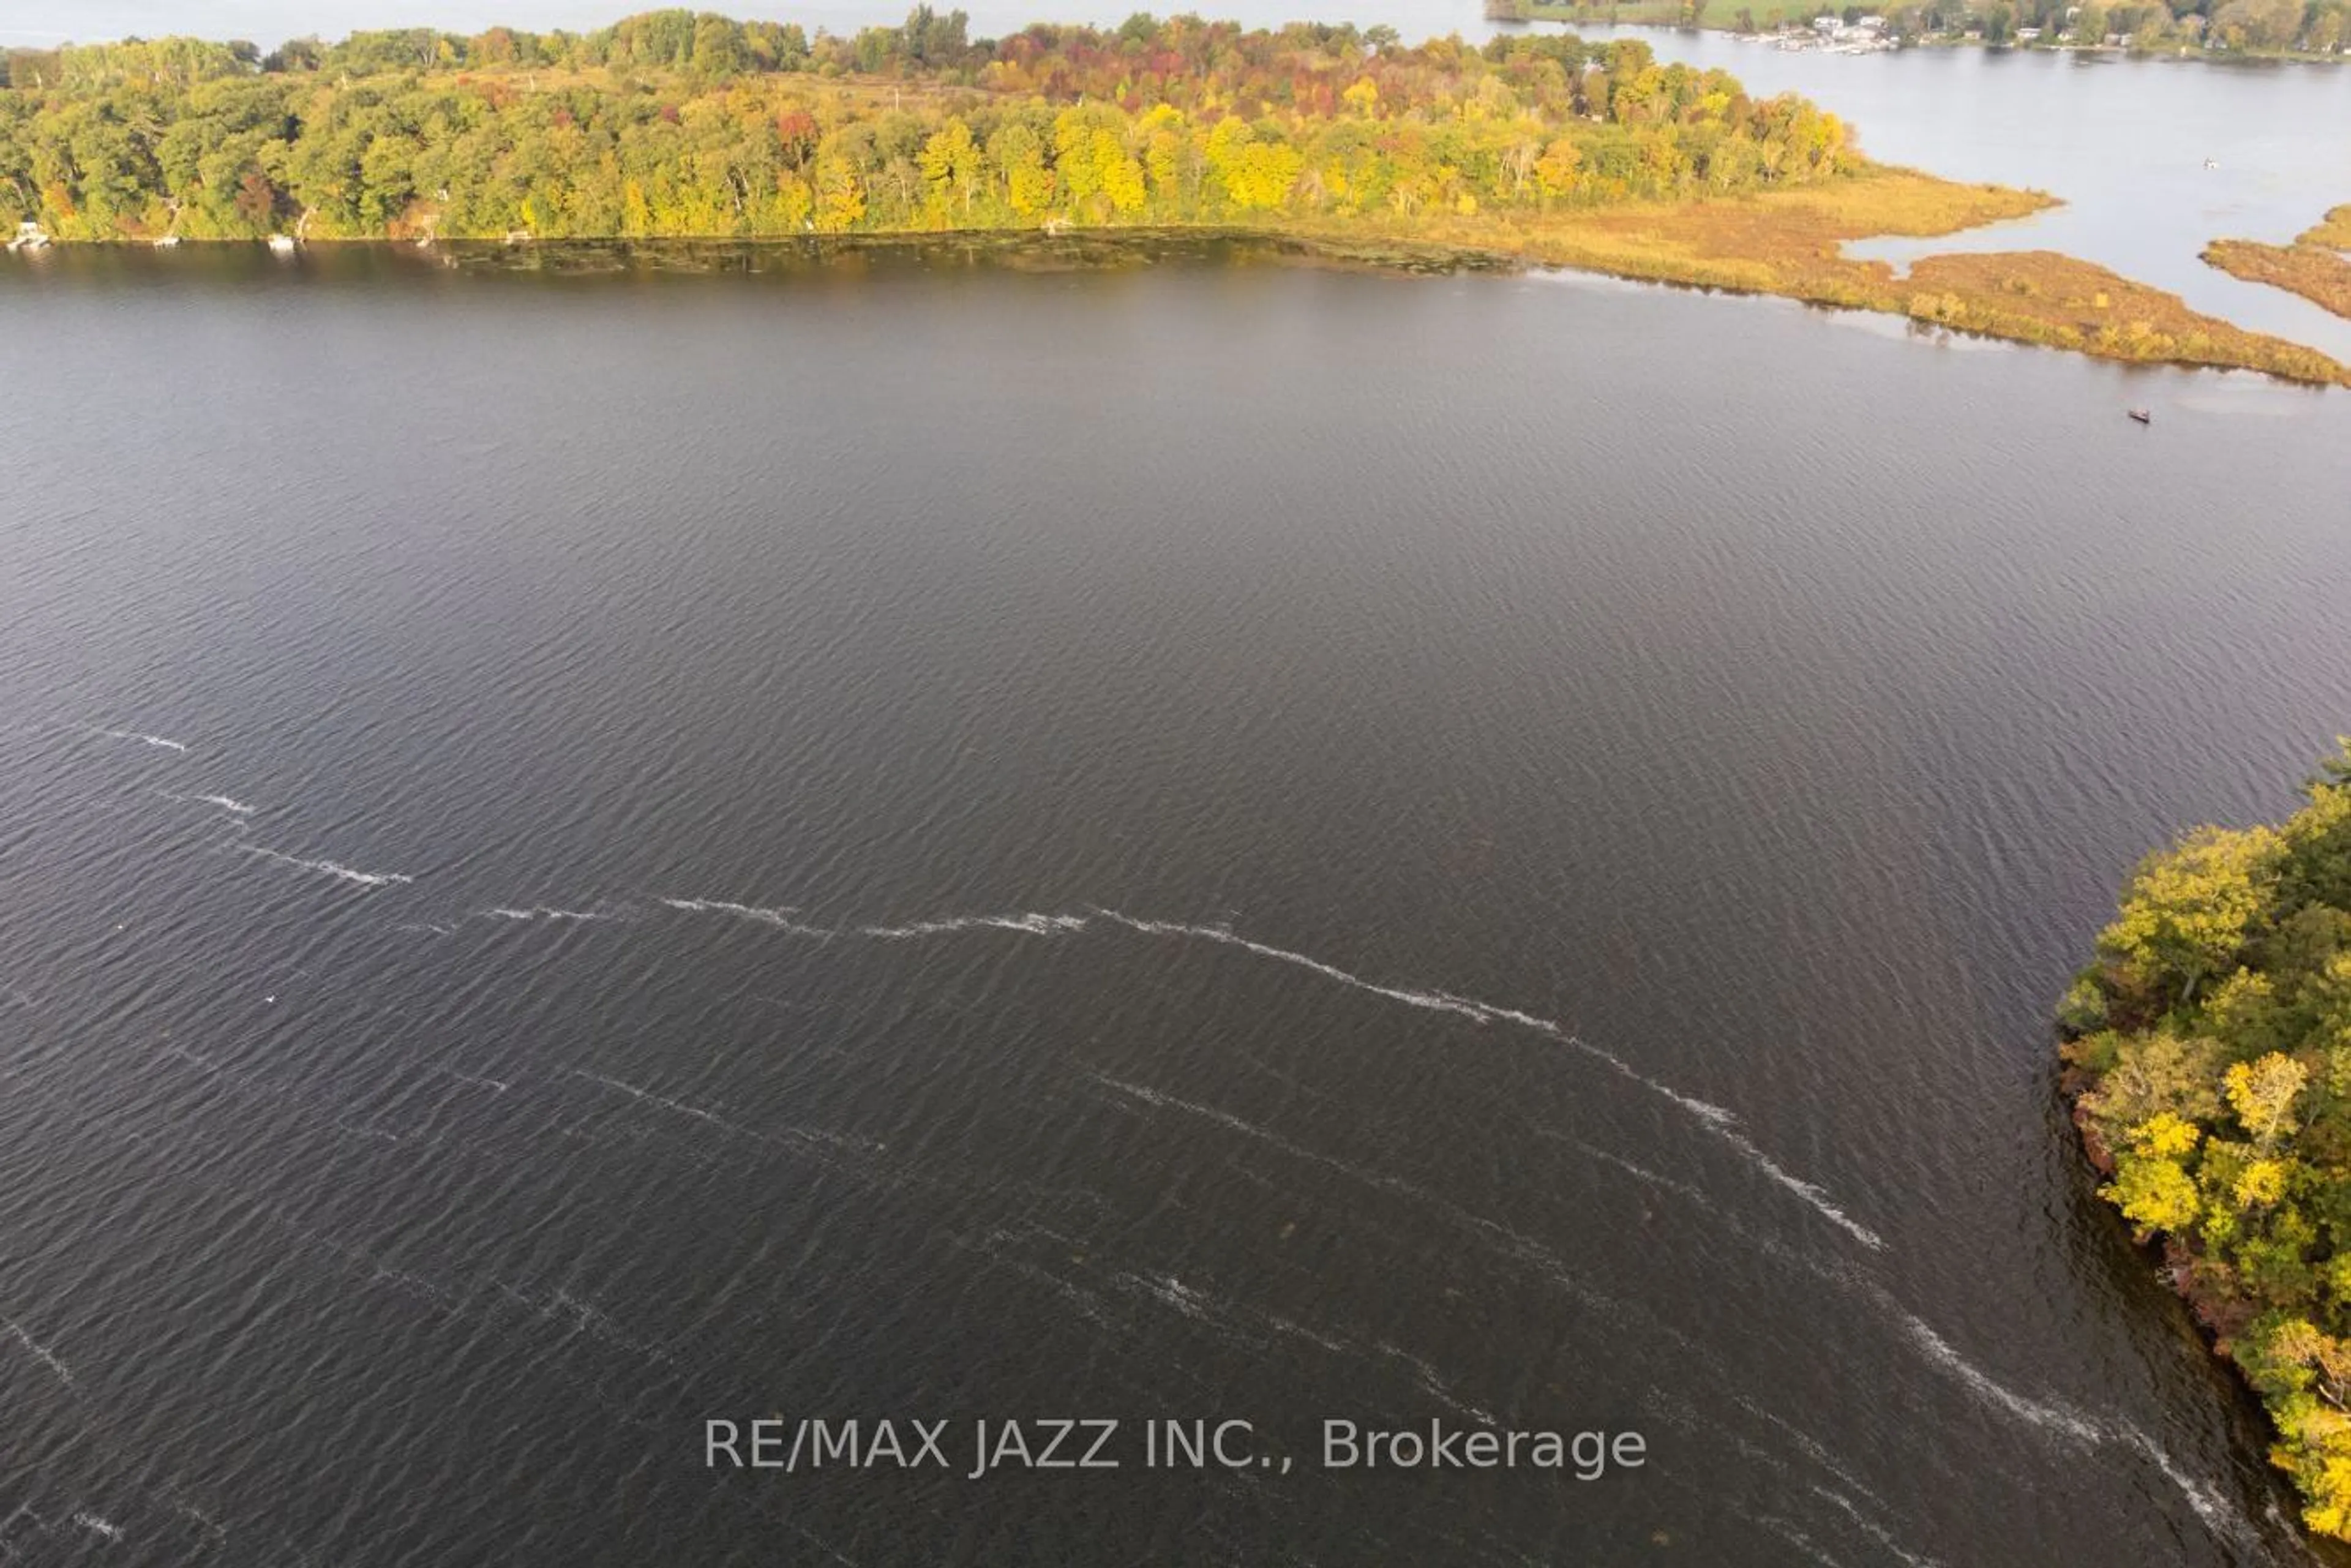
1537,149
2207,1056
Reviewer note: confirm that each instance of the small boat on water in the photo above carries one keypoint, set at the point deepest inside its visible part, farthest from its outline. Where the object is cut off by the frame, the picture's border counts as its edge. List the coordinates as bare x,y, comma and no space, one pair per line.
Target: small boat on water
168,242
28,237
2142,415
282,244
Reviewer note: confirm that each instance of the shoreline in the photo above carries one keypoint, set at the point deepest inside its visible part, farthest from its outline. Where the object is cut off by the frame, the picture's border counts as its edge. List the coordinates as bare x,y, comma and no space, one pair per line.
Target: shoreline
2200,1062
2172,51
1539,151
2219,1319
1783,244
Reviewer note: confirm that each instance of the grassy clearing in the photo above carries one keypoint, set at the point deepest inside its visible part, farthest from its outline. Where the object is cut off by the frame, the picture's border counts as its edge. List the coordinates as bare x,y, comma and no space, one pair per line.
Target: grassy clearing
2333,231
1792,242
2041,296
2318,273
2315,265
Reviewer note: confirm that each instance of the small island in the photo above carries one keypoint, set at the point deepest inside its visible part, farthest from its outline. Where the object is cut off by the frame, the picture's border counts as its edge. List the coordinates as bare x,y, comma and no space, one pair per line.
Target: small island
1527,149
2207,1057
2316,265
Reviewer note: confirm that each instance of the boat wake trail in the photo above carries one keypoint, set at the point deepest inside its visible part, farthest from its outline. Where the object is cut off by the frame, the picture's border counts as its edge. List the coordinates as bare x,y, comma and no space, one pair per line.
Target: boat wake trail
1028,925
814,1141
2072,1427
542,912
1498,1237
2058,1419
1867,1518
1770,1246
2049,1418
329,868
155,740
648,1097
38,1351
1718,1122
98,1525
225,802
781,919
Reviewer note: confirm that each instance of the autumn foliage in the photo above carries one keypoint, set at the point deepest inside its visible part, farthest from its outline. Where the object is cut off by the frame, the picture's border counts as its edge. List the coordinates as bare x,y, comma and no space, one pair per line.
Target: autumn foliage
676,125
2316,265
2211,1050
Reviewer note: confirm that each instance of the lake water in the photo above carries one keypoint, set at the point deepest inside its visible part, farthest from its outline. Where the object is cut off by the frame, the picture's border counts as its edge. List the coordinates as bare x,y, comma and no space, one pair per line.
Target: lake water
1210,841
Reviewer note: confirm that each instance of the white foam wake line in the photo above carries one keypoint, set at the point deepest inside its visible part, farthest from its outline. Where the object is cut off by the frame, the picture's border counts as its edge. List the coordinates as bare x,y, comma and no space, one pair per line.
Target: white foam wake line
1813,1450
781,919
1220,1314
1515,1245
212,1527
1172,1291
2073,1427
445,1300
38,1351
225,802
2054,1419
1786,1530
2058,1421
996,1248
1027,925
329,868
1435,1386
1872,1529
155,740
647,1096
1713,1118
821,1144
1679,1413
1770,1246
1643,1174
542,912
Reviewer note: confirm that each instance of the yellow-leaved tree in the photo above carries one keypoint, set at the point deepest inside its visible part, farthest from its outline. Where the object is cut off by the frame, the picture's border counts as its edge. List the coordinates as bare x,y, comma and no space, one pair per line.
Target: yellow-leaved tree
2209,1054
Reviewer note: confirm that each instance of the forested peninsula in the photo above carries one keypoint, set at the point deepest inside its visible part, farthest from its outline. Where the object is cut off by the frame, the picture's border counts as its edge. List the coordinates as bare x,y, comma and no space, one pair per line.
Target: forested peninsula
2208,1053
675,124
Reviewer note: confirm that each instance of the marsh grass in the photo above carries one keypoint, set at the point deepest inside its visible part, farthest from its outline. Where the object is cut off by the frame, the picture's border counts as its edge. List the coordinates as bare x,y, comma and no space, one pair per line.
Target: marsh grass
2315,265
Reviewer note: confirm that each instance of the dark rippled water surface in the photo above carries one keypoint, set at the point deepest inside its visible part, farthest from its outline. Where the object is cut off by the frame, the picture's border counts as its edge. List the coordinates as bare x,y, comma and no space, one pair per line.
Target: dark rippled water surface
1208,841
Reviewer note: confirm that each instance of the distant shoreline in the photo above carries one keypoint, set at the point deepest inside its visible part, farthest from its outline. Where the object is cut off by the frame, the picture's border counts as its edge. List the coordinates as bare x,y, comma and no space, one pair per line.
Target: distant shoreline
1775,22
2036,297
1545,150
